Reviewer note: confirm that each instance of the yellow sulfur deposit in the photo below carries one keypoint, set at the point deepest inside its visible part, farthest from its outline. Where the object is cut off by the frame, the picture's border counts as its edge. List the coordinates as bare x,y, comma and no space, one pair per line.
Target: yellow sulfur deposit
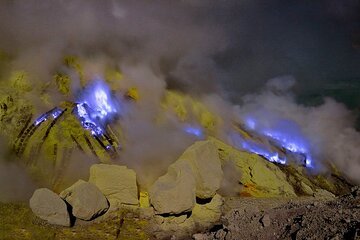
188,109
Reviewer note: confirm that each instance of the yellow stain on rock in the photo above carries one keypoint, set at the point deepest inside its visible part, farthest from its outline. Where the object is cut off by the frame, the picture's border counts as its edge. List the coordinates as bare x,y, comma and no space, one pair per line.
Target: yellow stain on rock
191,110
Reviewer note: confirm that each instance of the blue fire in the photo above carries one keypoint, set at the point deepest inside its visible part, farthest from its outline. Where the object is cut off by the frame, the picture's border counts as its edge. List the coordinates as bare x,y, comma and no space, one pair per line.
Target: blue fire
96,107
194,130
285,134
54,113
260,149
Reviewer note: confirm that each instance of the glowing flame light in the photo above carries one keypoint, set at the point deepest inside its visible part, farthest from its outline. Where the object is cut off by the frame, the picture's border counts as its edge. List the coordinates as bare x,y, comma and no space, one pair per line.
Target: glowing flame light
97,107
54,113
285,134
257,148
194,130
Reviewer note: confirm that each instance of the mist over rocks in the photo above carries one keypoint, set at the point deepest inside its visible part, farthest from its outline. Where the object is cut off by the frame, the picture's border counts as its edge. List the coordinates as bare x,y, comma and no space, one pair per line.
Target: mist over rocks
215,58
211,51
171,208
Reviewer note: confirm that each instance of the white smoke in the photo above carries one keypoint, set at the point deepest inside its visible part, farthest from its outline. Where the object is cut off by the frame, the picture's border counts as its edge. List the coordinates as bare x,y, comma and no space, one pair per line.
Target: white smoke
204,48
329,126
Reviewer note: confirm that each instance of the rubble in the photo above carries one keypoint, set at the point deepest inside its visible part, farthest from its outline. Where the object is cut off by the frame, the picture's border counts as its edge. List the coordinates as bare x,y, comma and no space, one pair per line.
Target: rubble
86,200
49,206
298,218
268,204
117,183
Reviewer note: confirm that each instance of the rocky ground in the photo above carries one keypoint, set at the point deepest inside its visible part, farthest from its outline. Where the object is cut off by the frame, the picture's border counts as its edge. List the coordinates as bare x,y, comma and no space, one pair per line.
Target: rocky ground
302,218
191,201
322,217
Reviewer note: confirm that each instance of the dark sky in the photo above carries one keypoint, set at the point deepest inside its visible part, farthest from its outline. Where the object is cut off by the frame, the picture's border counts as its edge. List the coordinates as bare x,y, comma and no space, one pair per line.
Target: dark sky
318,42
239,43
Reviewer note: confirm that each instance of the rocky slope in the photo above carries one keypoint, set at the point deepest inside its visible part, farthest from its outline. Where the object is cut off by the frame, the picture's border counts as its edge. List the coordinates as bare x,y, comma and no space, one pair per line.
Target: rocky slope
192,200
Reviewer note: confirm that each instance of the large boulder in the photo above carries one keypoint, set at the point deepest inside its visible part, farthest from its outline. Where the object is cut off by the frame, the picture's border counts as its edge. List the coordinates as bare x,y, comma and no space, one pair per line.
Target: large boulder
205,163
259,177
49,206
174,192
117,183
86,200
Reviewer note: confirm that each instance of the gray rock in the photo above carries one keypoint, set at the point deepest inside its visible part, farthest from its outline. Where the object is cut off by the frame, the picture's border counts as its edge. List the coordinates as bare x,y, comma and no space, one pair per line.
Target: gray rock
265,220
205,163
197,173
175,191
49,206
117,183
86,199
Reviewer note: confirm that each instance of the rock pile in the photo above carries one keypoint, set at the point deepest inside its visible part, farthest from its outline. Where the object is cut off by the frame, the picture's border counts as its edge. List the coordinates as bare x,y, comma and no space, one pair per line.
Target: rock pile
186,198
109,185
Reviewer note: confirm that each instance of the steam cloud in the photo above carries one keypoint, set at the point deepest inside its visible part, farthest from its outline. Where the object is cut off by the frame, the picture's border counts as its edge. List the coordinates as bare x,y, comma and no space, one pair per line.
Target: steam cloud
218,51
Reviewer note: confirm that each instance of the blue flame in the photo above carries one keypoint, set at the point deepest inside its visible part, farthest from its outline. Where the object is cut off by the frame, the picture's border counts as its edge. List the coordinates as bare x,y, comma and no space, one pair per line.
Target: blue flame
257,148
54,113
263,151
96,107
103,104
194,130
285,134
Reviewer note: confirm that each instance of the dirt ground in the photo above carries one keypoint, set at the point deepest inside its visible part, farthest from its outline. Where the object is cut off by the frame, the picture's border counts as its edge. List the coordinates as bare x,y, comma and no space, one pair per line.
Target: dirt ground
302,218
243,218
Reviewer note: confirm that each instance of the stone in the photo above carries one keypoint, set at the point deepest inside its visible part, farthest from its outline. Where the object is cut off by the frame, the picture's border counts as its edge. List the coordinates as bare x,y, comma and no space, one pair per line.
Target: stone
259,177
206,215
86,200
117,183
179,226
200,236
48,206
323,194
306,188
265,220
174,192
206,166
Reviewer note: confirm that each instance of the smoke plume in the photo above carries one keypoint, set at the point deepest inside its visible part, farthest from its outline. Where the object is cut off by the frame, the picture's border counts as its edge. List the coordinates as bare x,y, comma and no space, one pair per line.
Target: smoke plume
221,52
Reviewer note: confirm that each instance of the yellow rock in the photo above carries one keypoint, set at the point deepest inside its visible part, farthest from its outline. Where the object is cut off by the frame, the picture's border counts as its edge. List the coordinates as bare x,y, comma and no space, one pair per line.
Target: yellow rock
133,93
189,109
206,167
117,183
208,214
260,178
144,199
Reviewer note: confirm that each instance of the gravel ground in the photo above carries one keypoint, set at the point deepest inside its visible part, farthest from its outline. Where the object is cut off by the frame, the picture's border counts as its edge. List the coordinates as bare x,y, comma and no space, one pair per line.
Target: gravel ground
304,218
